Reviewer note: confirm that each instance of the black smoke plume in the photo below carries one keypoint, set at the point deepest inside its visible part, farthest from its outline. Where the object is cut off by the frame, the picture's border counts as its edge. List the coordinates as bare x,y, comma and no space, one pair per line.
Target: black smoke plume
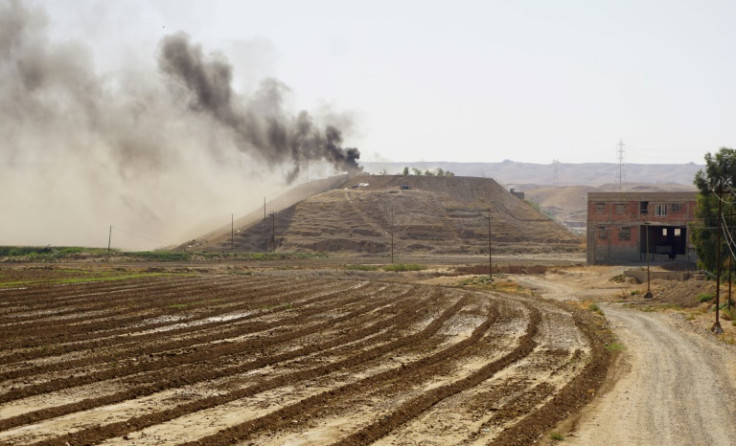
149,147
262,127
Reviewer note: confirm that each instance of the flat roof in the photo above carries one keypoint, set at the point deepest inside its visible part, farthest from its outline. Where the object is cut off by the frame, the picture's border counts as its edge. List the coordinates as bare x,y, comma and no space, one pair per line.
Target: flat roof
642,196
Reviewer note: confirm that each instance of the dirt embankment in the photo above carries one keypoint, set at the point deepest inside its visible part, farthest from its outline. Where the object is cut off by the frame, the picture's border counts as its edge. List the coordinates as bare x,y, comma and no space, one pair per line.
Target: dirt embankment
435,215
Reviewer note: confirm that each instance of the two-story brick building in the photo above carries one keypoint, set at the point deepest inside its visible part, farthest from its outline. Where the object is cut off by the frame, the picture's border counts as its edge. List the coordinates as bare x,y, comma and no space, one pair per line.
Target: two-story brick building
624,226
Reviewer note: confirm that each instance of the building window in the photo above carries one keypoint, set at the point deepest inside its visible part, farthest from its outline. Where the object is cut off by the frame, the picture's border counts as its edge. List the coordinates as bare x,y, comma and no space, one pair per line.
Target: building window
624,233
660,210
620,208
676,207
678,232
602,233
644,207
664,232
599,208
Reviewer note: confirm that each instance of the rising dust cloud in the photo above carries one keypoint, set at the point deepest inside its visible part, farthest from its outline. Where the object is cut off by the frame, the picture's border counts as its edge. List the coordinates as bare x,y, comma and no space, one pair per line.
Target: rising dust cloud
163,154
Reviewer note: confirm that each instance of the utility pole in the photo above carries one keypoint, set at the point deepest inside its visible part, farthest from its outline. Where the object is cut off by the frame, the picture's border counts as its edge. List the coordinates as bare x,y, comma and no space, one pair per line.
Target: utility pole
232,233
730,259
490,256
717,329
273,232
109,240
648,295
392,233
728,303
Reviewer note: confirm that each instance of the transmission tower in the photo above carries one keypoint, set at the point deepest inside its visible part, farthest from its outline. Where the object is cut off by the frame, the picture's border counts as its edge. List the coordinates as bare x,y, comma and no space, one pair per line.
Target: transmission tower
620,156
555,171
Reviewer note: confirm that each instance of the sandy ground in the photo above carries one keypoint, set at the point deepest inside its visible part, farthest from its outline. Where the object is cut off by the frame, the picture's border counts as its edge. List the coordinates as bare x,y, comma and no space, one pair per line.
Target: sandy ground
673,386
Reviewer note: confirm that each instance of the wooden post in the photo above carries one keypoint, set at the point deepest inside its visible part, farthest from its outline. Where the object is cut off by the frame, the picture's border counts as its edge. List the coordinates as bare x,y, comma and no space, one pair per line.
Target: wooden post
273,232
717,325
490,256
648,295
392,233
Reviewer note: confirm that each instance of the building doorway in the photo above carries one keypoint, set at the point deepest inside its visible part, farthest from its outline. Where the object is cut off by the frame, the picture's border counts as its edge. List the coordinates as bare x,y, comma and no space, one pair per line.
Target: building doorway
669,240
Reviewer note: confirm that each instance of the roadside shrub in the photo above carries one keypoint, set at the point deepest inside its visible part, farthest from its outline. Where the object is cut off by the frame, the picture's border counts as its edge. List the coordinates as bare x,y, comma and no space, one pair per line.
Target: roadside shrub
705,297
596,308
615,347
556,436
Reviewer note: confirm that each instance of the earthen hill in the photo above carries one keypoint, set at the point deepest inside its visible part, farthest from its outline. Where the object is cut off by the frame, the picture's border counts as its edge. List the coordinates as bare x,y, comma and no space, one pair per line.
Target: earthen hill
433,215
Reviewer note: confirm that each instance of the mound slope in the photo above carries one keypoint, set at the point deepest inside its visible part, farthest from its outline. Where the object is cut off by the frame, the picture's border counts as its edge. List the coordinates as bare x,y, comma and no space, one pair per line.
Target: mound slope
440,215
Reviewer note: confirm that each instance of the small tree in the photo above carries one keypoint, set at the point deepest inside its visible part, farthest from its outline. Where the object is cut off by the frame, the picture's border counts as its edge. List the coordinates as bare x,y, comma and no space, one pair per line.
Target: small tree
715,183
415,171
405,172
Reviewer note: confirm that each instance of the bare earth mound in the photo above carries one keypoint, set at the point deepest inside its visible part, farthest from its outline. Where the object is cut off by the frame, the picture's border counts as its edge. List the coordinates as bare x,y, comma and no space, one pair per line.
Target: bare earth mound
438,215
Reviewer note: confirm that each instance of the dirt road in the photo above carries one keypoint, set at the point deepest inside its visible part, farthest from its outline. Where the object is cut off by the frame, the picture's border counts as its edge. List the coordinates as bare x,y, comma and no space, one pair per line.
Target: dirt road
679,389
675,387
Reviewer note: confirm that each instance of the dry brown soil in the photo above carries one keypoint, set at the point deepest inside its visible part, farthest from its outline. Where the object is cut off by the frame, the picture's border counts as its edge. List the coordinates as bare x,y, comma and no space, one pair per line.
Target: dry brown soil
675,383
274,358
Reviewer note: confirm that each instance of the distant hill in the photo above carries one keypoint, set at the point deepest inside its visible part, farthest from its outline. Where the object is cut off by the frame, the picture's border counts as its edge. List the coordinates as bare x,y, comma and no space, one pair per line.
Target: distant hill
568,204
437,215
511,173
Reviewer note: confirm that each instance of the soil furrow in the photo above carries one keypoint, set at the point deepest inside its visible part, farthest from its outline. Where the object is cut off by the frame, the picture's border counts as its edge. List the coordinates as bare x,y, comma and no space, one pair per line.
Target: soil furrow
194,355
132,338
575,394
162,380
99,433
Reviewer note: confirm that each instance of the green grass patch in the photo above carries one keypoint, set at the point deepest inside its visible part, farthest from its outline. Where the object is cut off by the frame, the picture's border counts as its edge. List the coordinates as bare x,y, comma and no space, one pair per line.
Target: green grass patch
556,436
72,276
705,297
400,267
615,347
595,307
635,292
58,253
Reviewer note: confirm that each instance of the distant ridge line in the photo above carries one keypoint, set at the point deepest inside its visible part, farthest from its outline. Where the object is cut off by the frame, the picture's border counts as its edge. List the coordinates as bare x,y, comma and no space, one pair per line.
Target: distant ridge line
516,173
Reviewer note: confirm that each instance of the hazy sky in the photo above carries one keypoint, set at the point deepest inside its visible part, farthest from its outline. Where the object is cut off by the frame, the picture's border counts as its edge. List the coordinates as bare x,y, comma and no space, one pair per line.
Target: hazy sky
462,80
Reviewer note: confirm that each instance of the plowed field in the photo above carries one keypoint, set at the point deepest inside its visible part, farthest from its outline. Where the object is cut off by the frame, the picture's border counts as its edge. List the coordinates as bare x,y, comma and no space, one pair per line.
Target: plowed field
269,360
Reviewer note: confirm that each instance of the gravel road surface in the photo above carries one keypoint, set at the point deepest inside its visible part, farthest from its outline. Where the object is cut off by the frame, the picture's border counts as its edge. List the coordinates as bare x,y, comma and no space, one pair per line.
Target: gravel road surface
677,388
